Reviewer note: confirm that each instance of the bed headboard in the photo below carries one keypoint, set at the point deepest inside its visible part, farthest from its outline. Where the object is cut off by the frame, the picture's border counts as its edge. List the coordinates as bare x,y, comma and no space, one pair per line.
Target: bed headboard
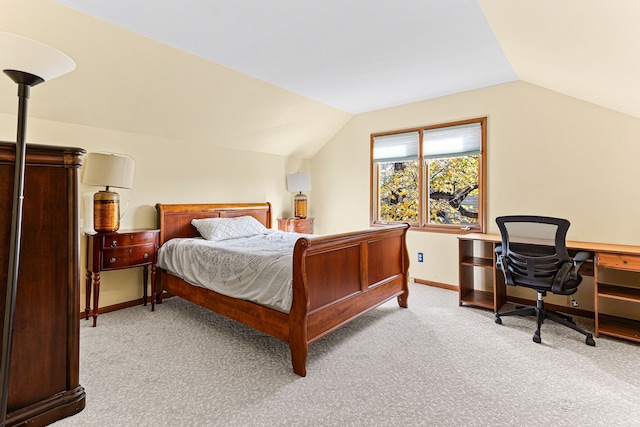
174,220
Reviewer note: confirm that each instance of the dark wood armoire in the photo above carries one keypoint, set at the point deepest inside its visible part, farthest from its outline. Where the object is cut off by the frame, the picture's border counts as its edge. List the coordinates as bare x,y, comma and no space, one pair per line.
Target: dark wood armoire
44,371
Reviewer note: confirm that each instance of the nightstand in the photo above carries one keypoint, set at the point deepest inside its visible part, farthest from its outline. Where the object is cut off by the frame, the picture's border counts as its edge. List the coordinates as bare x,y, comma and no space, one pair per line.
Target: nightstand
296,225
116,251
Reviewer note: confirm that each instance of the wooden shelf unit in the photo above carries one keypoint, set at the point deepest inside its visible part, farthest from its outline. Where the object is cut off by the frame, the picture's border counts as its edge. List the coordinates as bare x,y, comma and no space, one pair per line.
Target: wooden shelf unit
619,327
478,254
613,325
477,251
622,293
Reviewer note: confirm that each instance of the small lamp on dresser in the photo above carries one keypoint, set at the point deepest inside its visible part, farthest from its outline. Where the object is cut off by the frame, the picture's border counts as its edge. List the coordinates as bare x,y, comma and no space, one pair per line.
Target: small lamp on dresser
108,170
297,183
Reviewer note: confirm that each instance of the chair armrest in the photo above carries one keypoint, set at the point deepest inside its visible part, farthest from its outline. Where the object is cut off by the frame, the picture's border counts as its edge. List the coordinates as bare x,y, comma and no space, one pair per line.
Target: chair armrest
578,260
498,252
562,277
568,271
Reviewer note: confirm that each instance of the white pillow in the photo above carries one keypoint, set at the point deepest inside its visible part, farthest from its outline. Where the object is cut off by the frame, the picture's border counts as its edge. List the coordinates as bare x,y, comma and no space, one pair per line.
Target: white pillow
217,229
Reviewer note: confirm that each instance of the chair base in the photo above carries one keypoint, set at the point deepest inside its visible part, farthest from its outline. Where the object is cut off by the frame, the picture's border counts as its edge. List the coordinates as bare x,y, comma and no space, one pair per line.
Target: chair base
541,314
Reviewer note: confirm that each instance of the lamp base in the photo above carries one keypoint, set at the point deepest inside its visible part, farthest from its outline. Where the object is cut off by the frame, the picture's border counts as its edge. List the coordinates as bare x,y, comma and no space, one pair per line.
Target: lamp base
300,206
106,211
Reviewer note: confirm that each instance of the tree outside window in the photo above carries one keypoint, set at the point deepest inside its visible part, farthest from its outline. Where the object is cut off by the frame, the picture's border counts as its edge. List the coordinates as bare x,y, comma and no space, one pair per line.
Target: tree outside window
399,191
442,192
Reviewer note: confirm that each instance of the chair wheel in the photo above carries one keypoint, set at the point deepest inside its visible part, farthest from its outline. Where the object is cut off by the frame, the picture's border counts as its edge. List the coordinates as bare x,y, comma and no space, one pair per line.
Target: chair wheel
590,341
537,339
498,320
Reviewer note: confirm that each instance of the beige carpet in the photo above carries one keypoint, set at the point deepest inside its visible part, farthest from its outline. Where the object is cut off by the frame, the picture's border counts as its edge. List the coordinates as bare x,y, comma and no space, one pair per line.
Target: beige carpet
433,364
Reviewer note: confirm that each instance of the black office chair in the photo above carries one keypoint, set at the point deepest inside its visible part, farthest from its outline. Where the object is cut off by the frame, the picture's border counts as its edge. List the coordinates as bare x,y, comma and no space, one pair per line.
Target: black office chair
534,254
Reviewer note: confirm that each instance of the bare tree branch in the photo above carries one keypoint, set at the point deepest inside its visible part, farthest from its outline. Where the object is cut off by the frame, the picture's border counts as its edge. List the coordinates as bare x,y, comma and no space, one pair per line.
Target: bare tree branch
455,199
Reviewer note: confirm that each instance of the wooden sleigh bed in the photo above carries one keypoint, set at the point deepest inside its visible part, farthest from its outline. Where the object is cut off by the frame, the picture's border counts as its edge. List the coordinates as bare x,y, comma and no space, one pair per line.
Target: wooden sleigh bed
335,279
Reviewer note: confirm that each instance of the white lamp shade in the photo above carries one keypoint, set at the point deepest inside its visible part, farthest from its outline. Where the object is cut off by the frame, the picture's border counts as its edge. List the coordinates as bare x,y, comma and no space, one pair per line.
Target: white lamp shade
22,54
109,170
298,182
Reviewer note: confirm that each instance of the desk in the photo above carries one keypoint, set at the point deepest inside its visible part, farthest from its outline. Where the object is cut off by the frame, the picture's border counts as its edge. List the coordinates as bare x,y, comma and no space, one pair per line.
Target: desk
476,251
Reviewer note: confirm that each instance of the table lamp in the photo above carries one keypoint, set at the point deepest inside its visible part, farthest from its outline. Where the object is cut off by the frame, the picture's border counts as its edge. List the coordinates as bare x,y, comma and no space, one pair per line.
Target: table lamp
297,183
108,170
27,62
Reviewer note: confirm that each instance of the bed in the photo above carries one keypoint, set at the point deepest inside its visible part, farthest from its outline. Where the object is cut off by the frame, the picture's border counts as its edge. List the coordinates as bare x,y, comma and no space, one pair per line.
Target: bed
334,280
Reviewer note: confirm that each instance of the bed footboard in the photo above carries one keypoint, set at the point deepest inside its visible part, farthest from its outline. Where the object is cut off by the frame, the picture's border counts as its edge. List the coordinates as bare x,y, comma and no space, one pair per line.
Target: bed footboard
339,277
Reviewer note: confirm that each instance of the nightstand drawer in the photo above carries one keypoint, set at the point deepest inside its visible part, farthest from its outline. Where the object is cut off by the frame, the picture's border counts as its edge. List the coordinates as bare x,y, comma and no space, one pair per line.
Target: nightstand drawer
302,227
114,259
296,225
128,239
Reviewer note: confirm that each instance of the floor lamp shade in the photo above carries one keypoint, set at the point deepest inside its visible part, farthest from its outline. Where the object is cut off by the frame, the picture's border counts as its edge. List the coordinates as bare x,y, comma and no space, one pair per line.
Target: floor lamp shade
297,183
28,63
108,170
39,62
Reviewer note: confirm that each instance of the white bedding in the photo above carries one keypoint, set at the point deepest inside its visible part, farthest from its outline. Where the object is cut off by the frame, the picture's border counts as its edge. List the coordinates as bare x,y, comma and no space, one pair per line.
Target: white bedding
257,268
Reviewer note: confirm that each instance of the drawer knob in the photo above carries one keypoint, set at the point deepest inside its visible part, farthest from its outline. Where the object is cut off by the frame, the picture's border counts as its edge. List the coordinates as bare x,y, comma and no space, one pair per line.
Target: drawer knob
112,260
146,239
145,256
114,243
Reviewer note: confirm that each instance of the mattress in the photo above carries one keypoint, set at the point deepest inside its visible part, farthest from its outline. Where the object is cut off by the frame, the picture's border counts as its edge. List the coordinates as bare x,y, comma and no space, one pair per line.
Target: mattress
257,268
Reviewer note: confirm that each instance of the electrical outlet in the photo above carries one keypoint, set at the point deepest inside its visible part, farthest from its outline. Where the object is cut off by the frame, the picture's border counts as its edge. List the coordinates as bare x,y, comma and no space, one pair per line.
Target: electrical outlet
420,257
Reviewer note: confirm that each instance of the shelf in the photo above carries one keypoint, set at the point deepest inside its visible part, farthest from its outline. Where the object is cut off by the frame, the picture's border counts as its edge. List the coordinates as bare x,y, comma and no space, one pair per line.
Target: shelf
478,262
475,250
618,327
473,256
478,298
623,293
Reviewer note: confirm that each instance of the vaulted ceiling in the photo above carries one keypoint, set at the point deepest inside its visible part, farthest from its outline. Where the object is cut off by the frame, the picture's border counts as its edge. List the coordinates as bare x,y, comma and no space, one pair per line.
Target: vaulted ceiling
354,55
299,70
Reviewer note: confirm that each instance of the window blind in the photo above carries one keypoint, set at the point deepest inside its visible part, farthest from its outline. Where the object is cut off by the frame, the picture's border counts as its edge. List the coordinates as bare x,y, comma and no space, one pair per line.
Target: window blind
453,141
400,147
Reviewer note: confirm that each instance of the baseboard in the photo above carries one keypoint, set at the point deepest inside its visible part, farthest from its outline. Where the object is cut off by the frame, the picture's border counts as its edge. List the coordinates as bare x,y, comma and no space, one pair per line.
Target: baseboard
434,284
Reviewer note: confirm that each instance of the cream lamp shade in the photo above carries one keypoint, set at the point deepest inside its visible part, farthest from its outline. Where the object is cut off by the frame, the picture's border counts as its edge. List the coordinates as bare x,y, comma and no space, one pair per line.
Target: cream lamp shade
297,183
108,170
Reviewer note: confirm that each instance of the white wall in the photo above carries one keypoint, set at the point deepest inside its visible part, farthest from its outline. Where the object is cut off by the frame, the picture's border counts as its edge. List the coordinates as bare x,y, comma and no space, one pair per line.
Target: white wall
167,171
547,154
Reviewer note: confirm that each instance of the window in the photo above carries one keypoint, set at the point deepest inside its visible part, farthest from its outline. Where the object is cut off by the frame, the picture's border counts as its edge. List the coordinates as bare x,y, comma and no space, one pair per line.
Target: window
432,177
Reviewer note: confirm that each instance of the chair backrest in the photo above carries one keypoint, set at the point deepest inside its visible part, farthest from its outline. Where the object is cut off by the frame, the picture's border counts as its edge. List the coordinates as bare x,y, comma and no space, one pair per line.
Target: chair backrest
533,249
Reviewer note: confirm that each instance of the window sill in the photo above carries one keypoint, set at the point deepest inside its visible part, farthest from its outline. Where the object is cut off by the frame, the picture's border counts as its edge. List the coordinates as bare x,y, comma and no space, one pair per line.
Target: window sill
432,228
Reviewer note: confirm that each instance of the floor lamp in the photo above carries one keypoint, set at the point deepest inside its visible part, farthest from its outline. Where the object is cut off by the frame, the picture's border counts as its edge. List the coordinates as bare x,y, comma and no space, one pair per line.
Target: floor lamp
28,63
